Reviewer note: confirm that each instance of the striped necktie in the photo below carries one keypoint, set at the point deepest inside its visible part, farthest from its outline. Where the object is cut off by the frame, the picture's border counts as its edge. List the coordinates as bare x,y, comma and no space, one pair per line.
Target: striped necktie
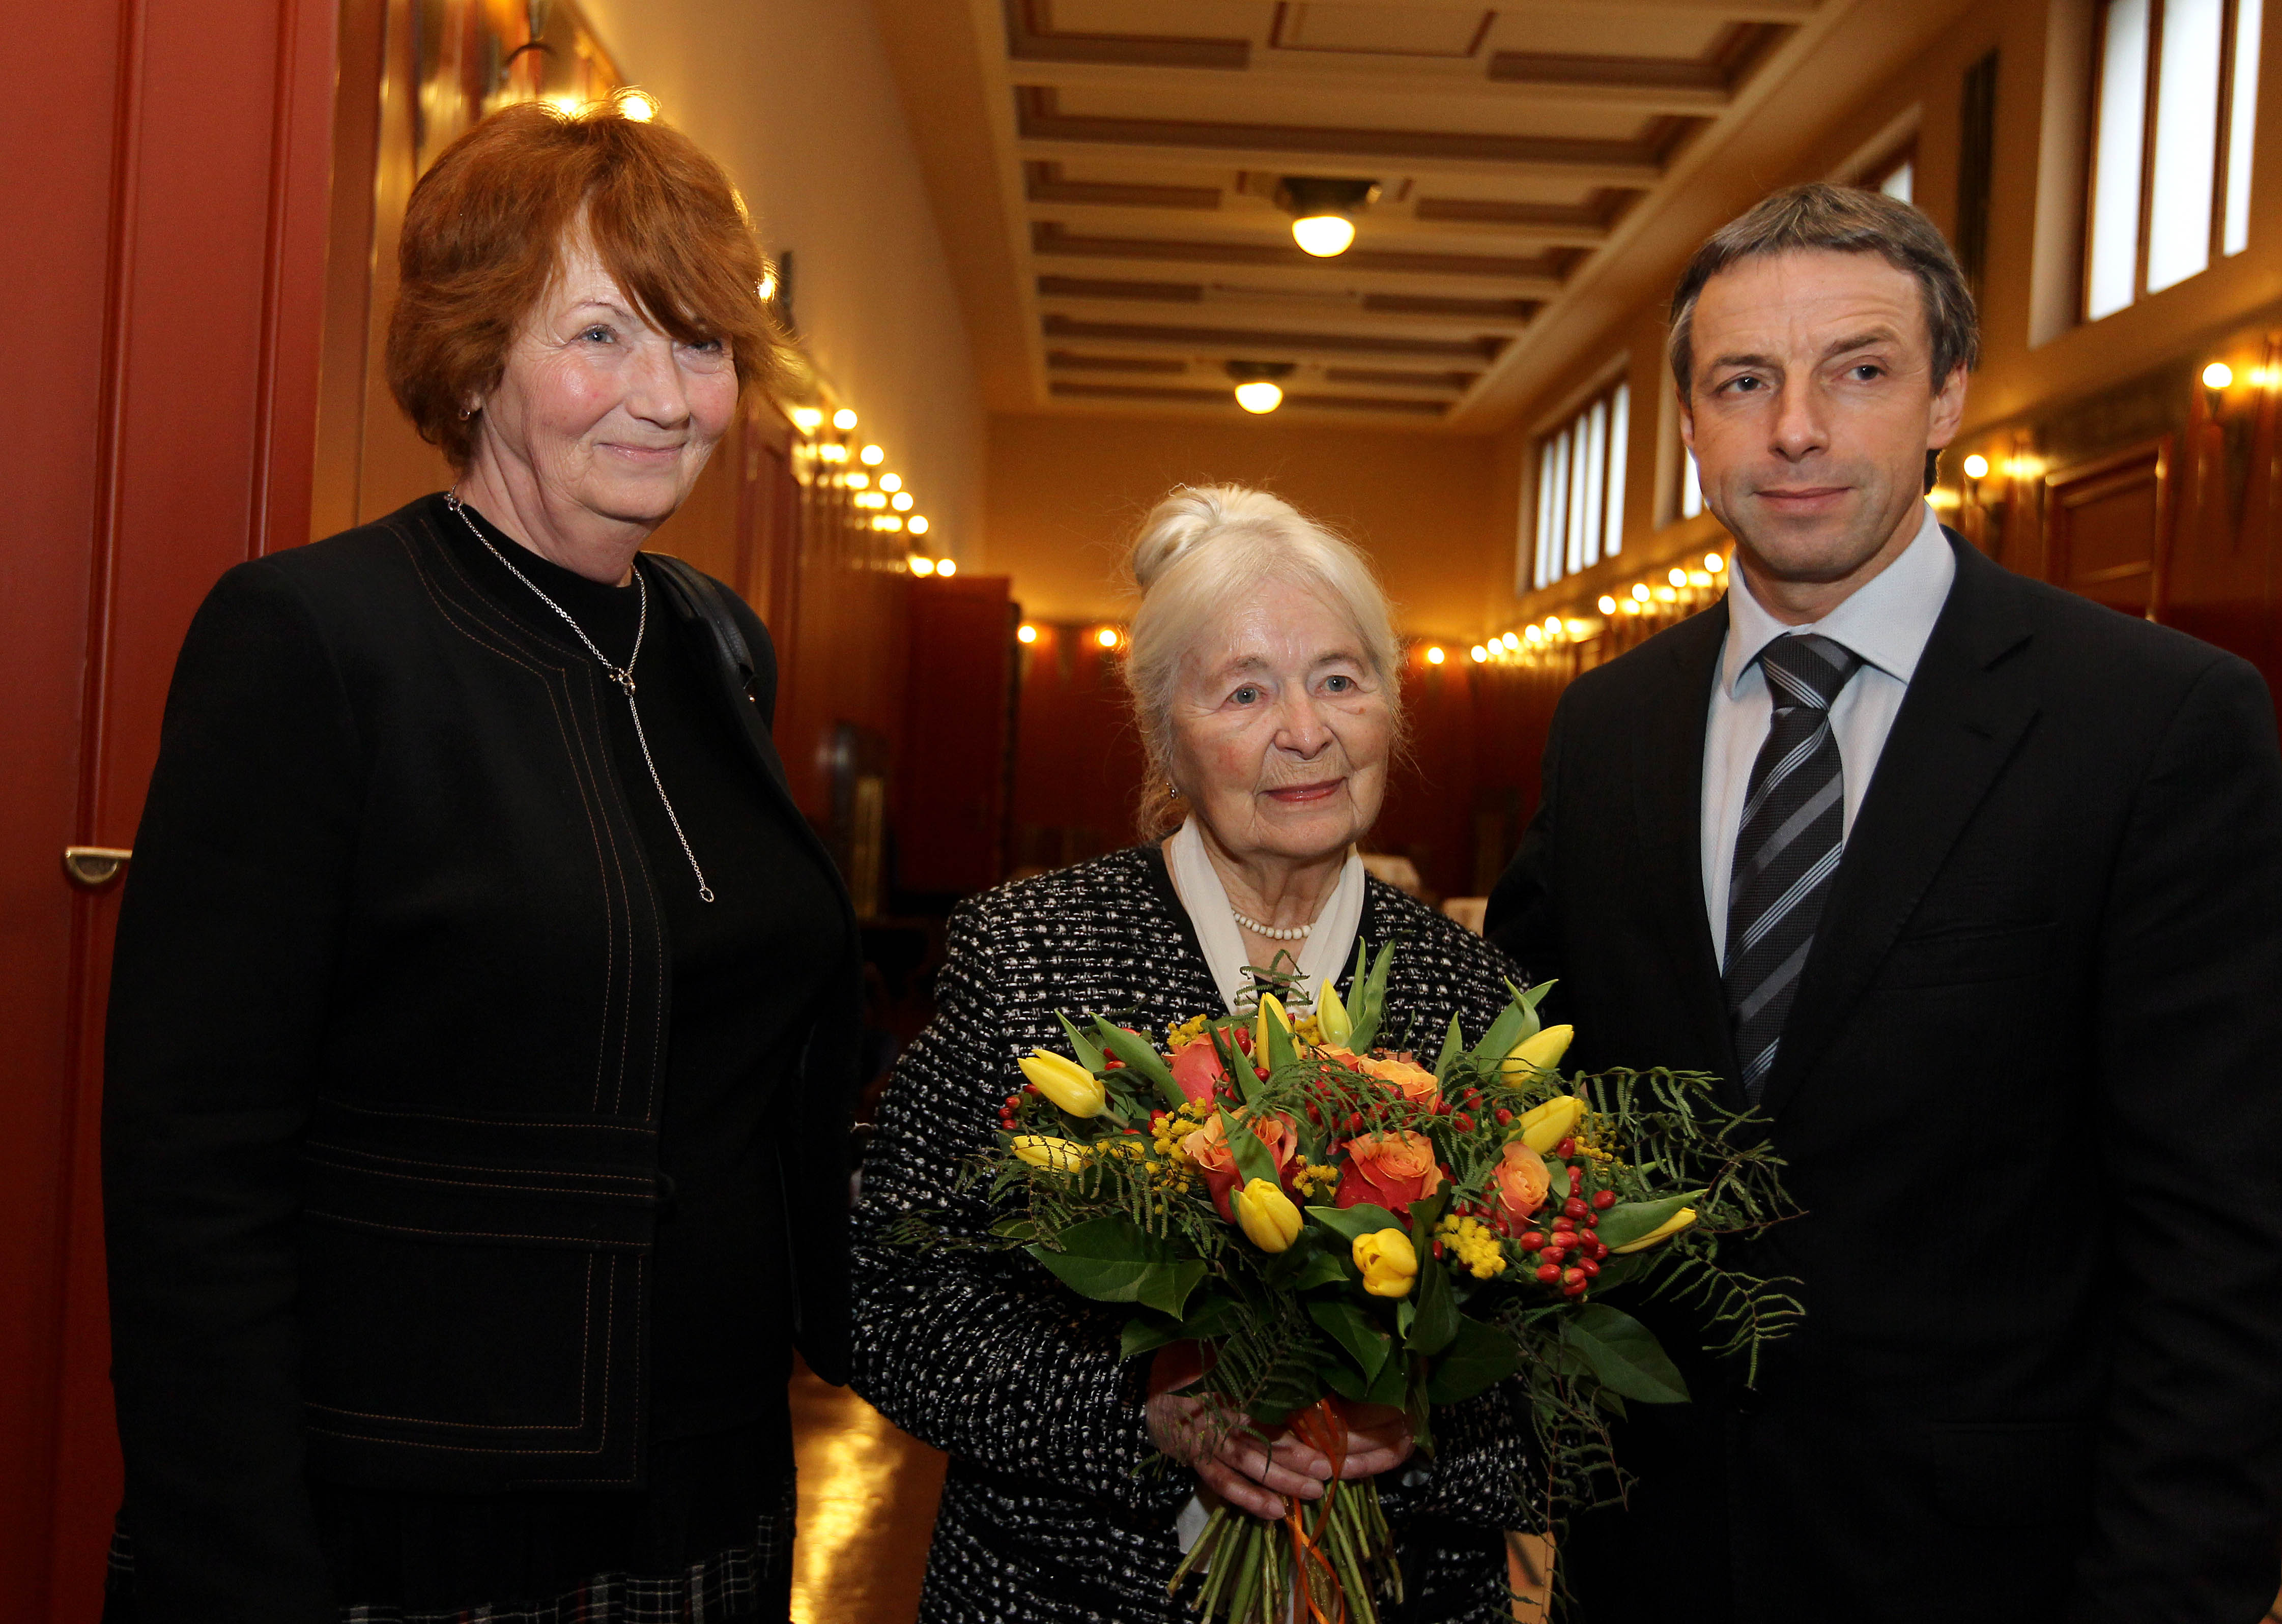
1788,844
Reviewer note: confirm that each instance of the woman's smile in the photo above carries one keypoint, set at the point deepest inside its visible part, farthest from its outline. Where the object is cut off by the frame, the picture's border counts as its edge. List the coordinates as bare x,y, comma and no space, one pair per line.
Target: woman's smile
1306,794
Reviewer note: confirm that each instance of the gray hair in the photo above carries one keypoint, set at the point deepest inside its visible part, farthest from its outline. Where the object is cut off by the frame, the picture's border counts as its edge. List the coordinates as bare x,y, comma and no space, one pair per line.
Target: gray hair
1199,547
1849,220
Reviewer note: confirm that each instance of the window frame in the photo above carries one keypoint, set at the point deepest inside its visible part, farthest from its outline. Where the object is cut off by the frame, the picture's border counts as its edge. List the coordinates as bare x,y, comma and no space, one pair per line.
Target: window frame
1555,547
2223,178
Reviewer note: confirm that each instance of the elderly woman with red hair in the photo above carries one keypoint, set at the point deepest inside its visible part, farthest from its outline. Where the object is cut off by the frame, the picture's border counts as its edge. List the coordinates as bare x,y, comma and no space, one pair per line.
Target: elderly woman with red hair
480,1050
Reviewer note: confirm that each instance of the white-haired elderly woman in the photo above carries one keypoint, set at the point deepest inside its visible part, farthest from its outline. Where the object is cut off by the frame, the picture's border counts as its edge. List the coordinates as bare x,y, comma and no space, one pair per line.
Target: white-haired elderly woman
1265,676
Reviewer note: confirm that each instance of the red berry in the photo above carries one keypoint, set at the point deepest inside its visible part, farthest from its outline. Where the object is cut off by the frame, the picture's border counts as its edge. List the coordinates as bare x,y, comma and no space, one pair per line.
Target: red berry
1438,1249
1354,1122
1590,1269
1465,1122
1565,1223
1573,1276
1575,1207
1577,1290
1548,1273
1534,1239
1566,1148
1594,1251
1554,1254
1602,1200
1592,1220
1505,1117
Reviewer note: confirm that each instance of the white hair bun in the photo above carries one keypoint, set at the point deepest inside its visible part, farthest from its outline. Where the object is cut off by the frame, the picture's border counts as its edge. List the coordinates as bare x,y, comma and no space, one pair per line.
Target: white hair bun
1190,516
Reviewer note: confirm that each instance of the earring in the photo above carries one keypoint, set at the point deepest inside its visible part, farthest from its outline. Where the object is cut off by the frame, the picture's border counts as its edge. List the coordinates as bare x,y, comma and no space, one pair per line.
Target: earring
1172,789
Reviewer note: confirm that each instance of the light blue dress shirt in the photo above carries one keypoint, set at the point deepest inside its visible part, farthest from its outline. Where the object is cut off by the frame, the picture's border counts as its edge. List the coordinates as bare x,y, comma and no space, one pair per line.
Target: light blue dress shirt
1886,622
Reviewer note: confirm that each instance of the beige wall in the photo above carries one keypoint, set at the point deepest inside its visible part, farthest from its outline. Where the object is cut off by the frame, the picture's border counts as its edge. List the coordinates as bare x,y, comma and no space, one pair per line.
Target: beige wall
2030,360
795,98
1064,494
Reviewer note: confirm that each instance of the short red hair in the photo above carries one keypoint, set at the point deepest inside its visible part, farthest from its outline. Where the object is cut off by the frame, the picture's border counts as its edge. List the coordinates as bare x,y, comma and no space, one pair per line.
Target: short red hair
485,233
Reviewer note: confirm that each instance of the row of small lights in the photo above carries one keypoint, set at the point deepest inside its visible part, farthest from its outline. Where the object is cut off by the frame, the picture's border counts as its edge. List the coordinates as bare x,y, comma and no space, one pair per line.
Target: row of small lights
2216,376
1641,597
881,495
1103,637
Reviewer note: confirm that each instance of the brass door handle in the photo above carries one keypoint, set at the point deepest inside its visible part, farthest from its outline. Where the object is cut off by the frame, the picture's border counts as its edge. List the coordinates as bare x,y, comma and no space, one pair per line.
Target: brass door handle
91,867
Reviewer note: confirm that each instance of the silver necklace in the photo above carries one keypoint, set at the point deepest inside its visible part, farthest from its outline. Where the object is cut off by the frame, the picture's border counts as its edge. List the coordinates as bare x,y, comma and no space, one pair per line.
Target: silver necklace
1298,932
622,675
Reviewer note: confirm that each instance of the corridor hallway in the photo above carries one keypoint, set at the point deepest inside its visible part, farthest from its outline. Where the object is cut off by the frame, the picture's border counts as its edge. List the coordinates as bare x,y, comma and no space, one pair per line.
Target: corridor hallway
1403,262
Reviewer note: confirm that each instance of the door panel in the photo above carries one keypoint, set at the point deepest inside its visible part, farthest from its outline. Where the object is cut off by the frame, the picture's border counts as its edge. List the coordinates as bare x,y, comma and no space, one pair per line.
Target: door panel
2110,528
166,191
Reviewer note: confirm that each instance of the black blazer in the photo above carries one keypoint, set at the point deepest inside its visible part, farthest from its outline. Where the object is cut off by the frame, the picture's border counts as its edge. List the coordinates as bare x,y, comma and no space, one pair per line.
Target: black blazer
386,1040
2029,1097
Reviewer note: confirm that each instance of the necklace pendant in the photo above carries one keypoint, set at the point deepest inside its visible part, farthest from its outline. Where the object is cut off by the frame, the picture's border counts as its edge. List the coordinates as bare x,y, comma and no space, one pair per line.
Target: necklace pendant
625,680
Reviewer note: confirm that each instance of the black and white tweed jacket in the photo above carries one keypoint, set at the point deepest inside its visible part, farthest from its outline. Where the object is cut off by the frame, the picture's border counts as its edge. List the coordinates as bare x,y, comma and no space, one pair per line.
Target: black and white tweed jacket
1048,1513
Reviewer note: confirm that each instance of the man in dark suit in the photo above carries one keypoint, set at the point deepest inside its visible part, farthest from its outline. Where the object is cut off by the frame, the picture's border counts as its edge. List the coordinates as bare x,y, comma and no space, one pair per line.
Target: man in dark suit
1975,889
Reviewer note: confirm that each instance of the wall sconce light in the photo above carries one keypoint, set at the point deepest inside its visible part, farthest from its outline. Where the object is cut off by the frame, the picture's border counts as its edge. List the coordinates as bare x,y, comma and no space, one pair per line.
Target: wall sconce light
1480,653
1713,563
843,420
1323,211
921,564
1258,387
1106,637
901,501
808,420
1976,467
1434,655
641,107
890,482
873,456
1026,633
2218,375
917,525
1510,641
1608,604
1639,591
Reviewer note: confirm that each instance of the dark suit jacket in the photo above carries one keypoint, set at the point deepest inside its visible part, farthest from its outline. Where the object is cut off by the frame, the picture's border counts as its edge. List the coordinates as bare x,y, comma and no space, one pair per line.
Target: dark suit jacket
2028,1096
387,1036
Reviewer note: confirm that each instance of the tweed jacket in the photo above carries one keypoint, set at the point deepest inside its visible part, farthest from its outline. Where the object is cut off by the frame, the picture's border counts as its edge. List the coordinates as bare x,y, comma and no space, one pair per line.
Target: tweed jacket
1051,1511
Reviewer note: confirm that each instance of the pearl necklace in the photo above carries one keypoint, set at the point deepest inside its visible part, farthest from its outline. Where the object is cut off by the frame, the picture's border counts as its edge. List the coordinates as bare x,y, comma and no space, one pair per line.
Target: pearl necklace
1298,932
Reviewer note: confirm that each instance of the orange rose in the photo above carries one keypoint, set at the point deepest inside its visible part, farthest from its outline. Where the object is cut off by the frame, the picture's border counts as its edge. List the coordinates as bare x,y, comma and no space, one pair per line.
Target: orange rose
1198,1070
1411,1080
1389,1170
1519,1183
1207,1148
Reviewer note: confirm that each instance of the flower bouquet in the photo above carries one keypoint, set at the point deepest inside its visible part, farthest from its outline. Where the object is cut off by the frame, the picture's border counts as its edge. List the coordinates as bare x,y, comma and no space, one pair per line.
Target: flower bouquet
1333,1221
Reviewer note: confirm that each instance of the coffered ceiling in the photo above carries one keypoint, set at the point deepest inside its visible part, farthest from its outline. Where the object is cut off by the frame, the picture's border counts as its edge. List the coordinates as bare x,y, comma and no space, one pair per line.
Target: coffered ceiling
1137,145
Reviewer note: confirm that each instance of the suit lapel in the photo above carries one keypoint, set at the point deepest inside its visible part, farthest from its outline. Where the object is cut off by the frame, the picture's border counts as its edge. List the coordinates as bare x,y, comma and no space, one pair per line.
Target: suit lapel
1668,802
1965,712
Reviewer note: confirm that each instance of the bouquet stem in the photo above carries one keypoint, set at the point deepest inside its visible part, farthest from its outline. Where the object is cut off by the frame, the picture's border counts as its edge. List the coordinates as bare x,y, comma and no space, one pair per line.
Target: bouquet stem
1320,1564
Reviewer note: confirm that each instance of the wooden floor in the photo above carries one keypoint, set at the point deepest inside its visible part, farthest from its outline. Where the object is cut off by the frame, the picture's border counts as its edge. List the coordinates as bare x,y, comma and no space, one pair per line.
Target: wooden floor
867,1498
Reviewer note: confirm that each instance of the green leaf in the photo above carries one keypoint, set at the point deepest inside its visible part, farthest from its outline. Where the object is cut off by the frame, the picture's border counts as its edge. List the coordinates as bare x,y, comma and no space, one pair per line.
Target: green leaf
1438,1313
1353,1222
1088,1052
1454,1045
1368,1011
1321,1268
1356,1332
1625,1355
1557,1187
1514,1023
1628,1221
1214,1316
1252,1158
1141,1057
1405,1315
1479,1357
1393,1383
1147,1332
1113,1260
1426,1213
1281,1050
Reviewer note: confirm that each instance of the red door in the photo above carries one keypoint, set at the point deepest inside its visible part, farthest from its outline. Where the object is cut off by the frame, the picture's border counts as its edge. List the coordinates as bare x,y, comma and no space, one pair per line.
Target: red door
164,188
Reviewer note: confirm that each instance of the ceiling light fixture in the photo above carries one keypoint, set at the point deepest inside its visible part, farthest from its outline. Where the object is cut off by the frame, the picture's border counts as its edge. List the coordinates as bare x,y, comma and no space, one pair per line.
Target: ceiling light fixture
1257,387
1323,211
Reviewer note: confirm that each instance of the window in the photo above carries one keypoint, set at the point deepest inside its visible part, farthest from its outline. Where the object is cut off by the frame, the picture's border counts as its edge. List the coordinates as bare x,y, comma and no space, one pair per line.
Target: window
1580,488
1896,176
2175,105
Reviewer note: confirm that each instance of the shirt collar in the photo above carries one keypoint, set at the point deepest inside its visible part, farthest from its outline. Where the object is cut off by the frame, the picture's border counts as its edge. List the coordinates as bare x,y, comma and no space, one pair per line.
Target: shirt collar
1886,622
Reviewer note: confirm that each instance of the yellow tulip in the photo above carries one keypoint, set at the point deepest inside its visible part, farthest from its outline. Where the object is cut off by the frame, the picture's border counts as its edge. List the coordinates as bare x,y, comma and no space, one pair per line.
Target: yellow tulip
1270,1004
1065,1082
1056,1156
1543,1126
1388,1261
1332,1016
1665,1231
1541,1053
1266,1214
